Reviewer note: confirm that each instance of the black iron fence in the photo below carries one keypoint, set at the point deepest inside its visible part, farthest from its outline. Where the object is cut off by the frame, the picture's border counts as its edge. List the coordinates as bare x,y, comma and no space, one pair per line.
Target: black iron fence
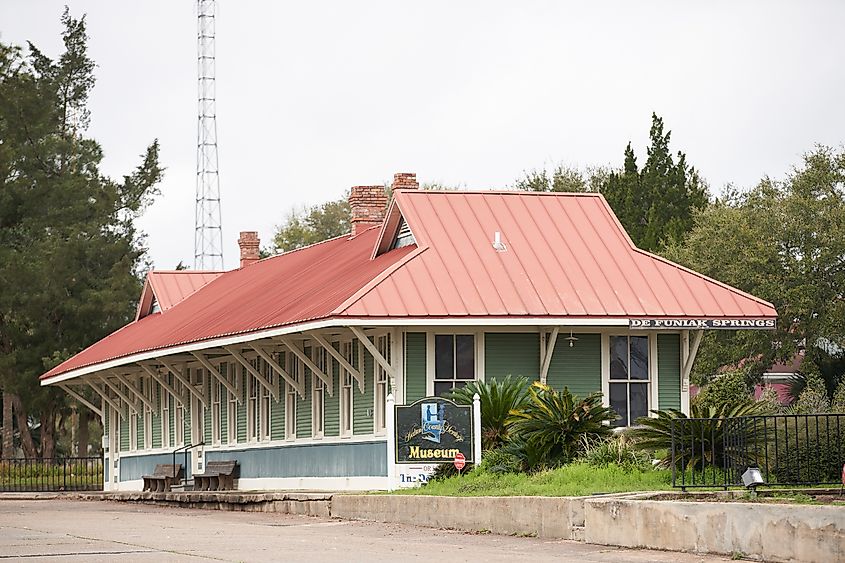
789,449
66,474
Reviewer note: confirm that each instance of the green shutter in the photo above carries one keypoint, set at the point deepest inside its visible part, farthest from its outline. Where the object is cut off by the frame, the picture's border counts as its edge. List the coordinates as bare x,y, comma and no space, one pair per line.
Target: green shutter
332,425
303,406
242,407
577,367
156,443
224,404
124,433
511,354
139,425
362,403
668,371
277,408
207,411
415,385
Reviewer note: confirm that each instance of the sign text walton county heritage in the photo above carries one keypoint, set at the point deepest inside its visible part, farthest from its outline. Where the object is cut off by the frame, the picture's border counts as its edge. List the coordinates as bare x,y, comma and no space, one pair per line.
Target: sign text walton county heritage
433,430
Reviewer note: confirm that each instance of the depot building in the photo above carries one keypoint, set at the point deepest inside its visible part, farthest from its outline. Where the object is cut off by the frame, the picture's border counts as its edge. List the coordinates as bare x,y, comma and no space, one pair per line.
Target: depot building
284,364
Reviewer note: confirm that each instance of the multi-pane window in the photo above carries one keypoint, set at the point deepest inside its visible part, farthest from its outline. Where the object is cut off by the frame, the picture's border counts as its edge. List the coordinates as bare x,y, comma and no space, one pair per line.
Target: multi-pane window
383,346
218,392
346,394
197,409
295,371
454,361
265,402
133,430
235,379
629,378
147,390
253,415
318,393
179,421
166,409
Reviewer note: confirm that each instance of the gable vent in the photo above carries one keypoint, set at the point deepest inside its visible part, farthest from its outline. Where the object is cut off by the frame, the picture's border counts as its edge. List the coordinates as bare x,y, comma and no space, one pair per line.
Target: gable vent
404,236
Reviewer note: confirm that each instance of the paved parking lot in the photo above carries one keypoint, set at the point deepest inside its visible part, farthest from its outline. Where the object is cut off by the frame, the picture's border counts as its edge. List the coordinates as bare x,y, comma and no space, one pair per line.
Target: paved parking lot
69,530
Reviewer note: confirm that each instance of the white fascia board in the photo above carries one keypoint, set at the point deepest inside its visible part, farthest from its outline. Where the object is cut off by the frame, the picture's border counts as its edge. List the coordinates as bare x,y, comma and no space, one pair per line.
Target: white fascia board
328,323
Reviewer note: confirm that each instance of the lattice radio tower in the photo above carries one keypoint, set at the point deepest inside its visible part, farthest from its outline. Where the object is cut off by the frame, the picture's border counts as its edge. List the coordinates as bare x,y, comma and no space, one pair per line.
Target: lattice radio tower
208,233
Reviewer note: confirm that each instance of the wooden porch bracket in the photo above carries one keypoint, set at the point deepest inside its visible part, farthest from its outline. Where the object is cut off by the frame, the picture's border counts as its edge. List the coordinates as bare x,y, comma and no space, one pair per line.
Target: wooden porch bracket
291,345
252,371
344,363
690,359
212,369
371,348
119,393
547,354
163,382
183,380
96,410
104,396
135,391
300,388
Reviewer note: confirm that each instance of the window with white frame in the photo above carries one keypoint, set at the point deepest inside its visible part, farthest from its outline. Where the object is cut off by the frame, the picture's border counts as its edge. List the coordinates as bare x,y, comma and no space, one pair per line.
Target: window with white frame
295,371
147,390
218,391
380,395
197,408
253,415
166,409
454,361
265,402
318,393
179,419
133,430
629,378
346,391
235,379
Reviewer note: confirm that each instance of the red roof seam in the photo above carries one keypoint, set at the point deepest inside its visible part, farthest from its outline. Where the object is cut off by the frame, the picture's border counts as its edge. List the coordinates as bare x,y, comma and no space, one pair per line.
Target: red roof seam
575,291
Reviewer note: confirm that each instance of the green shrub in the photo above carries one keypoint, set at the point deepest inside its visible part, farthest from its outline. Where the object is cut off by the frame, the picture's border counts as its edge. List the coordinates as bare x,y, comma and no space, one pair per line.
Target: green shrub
552,425
498,399
500,461
446,470
727,390
813,398
838,404
619,450
807,450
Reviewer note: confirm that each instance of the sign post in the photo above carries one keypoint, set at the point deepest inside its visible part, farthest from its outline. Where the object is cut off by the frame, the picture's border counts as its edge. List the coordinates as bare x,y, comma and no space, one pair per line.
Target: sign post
476,429
390,426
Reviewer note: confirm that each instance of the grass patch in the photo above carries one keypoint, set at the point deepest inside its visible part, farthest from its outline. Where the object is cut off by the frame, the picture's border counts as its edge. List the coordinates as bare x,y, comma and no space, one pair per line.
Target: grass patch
575,479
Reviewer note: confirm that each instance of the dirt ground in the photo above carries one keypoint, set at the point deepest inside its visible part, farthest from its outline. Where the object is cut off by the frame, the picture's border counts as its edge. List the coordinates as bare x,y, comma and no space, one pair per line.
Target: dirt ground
72,530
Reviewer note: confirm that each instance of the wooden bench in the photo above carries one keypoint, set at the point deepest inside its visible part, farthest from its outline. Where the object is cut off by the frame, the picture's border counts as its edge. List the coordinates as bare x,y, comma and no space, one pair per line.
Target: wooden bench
218,476
163,478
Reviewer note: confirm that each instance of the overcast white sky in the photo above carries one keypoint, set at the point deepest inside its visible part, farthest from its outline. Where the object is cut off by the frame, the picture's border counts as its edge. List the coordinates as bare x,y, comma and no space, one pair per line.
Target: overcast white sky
314,97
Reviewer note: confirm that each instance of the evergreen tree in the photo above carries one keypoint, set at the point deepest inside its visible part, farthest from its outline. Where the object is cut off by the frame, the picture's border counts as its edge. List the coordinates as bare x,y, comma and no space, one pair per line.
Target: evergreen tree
70,255
656,204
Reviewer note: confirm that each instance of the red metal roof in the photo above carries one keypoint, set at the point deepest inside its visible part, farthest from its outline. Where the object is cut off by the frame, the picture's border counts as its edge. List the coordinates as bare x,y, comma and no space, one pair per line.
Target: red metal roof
170,287
567,256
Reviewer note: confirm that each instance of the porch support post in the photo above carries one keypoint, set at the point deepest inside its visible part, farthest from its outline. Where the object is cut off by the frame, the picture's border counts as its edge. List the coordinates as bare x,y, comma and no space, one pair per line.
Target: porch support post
291,345
107,399
340,359
134,391
120,393
547,355
163,382
216,374
252,371
390,431
81,399
300,388
362,338
689,351
183,380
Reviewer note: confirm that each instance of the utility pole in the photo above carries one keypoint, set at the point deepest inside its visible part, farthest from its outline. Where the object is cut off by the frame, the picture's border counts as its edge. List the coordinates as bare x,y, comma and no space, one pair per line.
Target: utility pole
208,231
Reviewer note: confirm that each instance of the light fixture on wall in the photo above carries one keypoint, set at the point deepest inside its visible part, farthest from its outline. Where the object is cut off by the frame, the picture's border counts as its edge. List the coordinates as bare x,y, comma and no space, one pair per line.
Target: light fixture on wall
572,339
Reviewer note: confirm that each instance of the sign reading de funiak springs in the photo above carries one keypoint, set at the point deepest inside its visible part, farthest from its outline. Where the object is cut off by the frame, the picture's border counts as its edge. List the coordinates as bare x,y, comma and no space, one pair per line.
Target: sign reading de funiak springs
433,430
696,324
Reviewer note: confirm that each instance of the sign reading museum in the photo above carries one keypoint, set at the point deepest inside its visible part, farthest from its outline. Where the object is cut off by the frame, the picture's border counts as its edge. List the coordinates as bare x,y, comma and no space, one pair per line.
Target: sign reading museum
433,430
726,324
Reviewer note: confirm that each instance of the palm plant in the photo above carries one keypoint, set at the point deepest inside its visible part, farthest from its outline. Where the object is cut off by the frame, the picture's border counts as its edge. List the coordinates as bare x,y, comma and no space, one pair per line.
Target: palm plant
555,423
498,399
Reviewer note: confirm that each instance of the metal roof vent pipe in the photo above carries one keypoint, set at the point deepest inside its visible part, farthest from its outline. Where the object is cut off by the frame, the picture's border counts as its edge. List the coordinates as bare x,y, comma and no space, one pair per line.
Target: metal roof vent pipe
368,204
497,242
248,243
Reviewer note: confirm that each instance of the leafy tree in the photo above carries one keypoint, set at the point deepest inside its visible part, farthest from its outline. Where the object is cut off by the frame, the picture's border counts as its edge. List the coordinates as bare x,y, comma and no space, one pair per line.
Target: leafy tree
655,204
563,179
783,241
69,251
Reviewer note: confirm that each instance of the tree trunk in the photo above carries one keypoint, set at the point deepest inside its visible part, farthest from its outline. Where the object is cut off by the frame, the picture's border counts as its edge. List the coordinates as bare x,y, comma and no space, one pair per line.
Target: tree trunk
8,444
27,444
82,435
48,435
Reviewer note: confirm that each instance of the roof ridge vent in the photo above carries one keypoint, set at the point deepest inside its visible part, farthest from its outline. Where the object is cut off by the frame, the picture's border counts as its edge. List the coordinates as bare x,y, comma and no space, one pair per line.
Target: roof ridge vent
497,242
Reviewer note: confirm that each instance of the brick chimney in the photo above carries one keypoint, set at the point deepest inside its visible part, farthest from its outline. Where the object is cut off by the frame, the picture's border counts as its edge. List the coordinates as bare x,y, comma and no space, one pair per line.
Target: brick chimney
368,205
248,242
405,181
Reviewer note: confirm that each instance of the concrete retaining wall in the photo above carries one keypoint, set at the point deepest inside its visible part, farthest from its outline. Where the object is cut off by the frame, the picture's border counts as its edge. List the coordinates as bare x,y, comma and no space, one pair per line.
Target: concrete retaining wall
773,532
307,504
550,517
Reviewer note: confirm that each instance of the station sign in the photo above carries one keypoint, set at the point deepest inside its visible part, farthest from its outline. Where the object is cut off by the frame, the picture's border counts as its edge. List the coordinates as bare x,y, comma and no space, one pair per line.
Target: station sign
433,430
704,324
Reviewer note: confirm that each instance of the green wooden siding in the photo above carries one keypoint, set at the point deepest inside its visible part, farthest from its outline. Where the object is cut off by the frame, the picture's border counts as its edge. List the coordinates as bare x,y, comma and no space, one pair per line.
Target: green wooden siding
362,403
514,354
332,423
156,429
124,433
415,384
577,367
277,408
668,371
207,411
